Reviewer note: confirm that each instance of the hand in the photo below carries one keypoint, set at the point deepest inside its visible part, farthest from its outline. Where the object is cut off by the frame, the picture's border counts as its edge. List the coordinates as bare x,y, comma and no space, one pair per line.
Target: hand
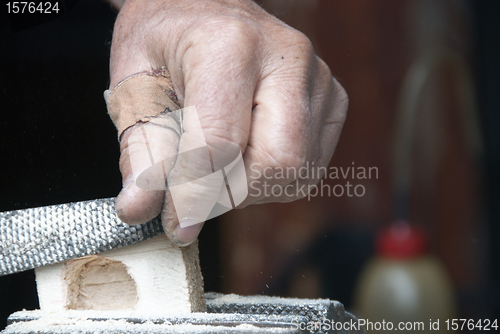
256,84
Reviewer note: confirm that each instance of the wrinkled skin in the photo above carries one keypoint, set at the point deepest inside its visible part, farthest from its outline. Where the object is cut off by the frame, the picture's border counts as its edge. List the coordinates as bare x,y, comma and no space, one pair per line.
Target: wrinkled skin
255,82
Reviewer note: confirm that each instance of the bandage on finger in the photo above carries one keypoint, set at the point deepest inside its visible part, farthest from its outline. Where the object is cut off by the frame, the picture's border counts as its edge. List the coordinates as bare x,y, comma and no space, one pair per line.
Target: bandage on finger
141,98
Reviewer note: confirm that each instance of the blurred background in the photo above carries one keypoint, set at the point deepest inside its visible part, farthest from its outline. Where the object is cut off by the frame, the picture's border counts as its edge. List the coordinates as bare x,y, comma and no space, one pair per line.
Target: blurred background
422,79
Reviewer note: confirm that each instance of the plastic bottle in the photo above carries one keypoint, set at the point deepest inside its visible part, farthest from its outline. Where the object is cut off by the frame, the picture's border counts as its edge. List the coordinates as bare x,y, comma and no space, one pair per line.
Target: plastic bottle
402,287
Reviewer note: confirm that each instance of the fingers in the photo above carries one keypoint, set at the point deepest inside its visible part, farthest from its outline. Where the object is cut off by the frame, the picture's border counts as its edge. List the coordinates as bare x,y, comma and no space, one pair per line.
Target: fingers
247,95
180,236
148,153
287,156
219,77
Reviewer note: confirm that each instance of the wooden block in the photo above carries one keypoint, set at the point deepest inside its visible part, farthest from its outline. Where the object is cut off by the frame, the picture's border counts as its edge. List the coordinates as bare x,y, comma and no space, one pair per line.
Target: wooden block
151,276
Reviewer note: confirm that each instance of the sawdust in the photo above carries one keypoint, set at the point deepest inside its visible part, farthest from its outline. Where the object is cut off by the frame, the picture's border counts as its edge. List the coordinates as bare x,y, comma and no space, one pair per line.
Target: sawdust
72,321
216,299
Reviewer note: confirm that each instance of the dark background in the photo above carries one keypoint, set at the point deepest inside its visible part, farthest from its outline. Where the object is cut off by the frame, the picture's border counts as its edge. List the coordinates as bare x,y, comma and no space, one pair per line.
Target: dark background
57,142
488,74
58,145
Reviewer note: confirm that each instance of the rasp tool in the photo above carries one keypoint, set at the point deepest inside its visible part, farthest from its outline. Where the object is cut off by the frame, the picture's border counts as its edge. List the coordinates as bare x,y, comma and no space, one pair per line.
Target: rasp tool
36,237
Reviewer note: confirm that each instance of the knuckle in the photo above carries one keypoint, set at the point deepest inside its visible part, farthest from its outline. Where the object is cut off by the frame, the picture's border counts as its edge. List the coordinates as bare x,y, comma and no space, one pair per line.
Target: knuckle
217,135
226,44
298,53
342,94
225,31
337,102
300,43
286,158
303,41
235,29
342,98
324,69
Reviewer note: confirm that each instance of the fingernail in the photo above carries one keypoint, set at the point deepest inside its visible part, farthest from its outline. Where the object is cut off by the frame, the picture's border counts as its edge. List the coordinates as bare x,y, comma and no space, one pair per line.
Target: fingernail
106,94
186,232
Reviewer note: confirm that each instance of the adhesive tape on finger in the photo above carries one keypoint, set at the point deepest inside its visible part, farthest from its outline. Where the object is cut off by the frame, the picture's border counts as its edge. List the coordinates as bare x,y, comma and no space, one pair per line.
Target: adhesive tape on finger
140,98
